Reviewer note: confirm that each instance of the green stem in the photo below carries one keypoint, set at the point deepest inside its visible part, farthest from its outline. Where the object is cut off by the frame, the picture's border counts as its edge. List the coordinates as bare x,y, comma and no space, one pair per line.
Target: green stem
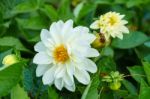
134,75
100,92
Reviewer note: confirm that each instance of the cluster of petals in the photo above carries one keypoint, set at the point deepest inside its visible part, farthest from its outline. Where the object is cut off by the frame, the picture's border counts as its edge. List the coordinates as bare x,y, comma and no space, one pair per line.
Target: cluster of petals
63,54
111,24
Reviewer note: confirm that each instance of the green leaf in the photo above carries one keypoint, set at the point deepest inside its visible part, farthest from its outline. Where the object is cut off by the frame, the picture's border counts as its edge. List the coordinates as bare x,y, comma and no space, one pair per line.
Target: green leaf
91,91
132,3
52,94
9,77
146,67
50,12
142,51
27,79
6,7
108,94
130,40
18,93
147,58
147,44
12,42
107,51
121,93
64,10
131,97
102,2
143,84
25,7
137,72
130,87
106,65
34,23
144,91
83,11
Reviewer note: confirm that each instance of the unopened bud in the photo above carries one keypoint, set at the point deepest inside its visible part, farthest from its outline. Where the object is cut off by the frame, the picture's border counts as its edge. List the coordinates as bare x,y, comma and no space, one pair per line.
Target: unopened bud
10,59
115,85
100,41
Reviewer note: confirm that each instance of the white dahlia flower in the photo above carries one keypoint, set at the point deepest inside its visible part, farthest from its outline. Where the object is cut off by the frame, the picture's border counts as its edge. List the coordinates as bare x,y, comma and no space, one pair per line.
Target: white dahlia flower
111,24
63,52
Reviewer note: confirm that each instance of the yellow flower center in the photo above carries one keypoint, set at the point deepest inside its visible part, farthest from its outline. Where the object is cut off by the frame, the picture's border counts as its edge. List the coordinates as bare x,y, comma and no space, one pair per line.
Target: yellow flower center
112,20
61,54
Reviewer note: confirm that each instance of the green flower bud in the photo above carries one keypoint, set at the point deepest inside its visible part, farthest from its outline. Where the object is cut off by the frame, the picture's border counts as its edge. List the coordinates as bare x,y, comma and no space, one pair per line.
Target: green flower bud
114,80
113,77
10,59
115,85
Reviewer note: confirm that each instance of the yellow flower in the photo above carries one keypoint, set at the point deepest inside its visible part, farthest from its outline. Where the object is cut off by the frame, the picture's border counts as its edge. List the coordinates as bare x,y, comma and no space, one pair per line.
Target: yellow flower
111,24
9,60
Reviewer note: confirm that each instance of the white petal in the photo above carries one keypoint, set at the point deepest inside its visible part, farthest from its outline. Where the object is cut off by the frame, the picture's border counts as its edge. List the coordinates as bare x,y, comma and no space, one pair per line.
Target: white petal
60,23
67,25
120,35
95,25
39,47
91,52
77,32
55,32
125,29
81,30
51,44
124,22
42,58
59,83
86,64
60,71
121,16
45,35
48,77
41,69
70,88
90,38
82,76
67,30
113,35
90,66
70,68
68,80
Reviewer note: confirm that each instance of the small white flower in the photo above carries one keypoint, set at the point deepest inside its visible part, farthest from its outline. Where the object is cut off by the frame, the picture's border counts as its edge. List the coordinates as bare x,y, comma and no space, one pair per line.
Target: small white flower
111,24
63,52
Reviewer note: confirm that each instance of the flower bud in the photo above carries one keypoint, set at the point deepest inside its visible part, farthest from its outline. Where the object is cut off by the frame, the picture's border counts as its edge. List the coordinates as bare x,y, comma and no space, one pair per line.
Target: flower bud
114,80
115,85
10,59
100,41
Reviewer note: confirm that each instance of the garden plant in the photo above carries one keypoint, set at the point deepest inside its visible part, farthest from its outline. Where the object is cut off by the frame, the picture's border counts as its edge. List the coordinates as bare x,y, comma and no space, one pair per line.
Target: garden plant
74,49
